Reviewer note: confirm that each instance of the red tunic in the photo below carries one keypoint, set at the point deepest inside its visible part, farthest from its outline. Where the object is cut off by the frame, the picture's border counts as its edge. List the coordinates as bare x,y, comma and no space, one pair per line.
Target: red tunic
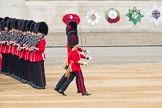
6,48
27,54
22,54
39,54
10,49
14,50
1,48
73,59
17,52
78,48
69,49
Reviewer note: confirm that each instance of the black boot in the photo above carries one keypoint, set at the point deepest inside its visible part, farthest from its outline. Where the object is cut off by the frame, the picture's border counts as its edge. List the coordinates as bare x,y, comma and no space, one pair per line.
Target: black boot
79,91
56,89
85,94
62,92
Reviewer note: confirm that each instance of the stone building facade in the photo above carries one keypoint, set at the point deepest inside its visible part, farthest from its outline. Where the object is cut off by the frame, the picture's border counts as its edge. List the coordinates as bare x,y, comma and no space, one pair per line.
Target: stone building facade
103,33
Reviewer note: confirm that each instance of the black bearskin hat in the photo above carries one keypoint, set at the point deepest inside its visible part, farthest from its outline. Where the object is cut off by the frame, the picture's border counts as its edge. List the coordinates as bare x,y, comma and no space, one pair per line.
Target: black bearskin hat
1,19
43,28
15,24
5,21
19,24
2,24
28,24
71,26
9,23
72,39
32,26
23,26
35,28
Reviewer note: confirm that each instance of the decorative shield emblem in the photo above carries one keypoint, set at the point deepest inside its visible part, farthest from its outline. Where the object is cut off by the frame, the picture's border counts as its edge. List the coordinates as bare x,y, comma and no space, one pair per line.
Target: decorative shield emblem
134,15
71,17
155,14
112,15
93,17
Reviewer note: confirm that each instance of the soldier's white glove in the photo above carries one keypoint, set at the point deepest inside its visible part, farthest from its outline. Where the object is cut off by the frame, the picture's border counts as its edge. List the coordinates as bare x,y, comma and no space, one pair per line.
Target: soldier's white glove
83,53
87,51
85,63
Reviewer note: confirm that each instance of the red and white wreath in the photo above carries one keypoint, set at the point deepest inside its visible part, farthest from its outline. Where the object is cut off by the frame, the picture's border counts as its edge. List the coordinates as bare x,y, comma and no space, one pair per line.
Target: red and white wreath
112,15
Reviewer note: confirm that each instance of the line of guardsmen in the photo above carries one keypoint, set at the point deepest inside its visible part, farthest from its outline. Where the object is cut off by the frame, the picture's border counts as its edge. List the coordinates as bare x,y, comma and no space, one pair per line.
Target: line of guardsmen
74,56
22,45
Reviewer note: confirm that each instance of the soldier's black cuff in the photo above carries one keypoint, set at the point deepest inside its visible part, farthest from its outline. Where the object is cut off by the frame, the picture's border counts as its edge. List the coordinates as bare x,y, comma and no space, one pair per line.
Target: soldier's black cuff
87,58
66,67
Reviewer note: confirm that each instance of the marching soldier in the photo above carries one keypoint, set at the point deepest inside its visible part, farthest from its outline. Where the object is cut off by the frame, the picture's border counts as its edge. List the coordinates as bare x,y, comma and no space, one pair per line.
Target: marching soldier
74,63
71,20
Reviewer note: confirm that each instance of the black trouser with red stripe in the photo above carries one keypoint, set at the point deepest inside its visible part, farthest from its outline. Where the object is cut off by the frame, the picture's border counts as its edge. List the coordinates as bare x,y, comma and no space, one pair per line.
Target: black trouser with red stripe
63,80
79,78
60,82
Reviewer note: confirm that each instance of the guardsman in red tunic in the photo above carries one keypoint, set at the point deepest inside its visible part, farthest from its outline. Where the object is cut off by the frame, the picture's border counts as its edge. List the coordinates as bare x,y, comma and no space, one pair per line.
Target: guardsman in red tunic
28,54
23,59
74,63
38,57
0,47
5,63
25,55
14,47
71,20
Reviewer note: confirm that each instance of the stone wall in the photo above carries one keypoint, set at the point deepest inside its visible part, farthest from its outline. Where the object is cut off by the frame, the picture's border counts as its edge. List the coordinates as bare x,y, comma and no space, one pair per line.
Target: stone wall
123,33
111,39
53,11
13,8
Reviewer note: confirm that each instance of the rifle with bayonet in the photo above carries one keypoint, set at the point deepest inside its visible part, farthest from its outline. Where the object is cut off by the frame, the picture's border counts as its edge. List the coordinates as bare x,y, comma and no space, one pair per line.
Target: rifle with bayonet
32,46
